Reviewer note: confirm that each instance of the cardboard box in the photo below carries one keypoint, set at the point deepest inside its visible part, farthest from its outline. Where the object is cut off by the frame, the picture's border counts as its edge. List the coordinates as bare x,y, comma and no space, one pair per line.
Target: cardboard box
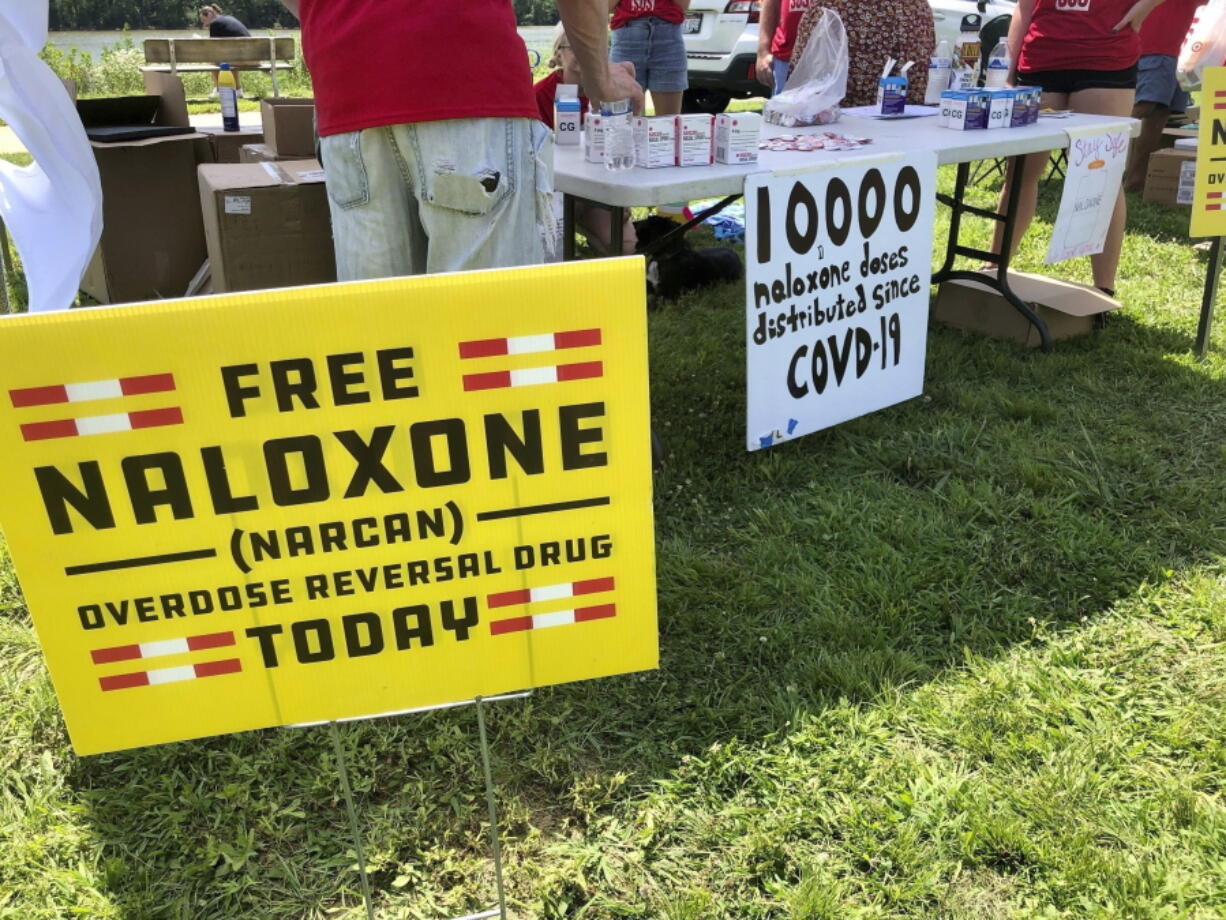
227,145
1171,135
260,153
152,235
267,225
1068,309
289,126
1170,176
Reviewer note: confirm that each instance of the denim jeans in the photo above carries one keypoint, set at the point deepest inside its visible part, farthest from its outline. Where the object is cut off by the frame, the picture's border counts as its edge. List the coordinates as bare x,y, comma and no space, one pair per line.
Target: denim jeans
440,196
656,50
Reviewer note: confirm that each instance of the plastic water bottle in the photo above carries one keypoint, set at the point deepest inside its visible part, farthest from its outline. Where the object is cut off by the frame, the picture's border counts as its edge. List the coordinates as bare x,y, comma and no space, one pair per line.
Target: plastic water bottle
618,134
227,93
939,67
998,66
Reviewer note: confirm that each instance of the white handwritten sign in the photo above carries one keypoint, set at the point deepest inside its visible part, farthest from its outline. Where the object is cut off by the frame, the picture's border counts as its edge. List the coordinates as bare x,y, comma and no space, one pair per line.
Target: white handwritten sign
837,284
1096,159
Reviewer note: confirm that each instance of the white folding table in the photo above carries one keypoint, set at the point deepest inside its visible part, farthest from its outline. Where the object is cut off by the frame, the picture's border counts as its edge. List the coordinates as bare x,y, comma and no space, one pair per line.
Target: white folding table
579,180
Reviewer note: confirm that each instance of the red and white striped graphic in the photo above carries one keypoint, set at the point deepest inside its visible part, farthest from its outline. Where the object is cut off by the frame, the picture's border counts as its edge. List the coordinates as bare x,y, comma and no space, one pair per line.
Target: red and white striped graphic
533,376
1215,202
93,389
102,424
549,592
170,675
162,647
556,618
527,344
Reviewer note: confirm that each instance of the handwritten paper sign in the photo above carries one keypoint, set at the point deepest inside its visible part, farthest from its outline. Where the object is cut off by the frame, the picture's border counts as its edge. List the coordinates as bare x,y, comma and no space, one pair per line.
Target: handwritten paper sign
1096,159
837,285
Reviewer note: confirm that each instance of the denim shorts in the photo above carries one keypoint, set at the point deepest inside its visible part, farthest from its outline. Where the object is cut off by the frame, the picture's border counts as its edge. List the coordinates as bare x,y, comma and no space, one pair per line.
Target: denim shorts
440,196
1156,82
656,50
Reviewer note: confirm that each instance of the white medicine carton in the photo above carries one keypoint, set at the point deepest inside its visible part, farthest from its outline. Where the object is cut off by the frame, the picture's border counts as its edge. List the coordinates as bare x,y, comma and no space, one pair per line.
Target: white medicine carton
695,140
593,138
736,137
566,115
655,141
1000,107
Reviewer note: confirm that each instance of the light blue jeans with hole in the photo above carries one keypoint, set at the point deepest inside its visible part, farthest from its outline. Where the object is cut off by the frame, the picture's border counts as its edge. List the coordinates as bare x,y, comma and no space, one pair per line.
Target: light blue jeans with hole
440,196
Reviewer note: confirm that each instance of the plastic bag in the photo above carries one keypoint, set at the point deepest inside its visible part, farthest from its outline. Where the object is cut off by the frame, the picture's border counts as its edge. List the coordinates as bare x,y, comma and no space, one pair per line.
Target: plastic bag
818,81
1204,45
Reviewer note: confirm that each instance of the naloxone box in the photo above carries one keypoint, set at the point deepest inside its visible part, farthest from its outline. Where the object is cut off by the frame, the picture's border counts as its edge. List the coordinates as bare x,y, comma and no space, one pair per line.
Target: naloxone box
593,137
736,137
695,140
968,109
567,115
655,141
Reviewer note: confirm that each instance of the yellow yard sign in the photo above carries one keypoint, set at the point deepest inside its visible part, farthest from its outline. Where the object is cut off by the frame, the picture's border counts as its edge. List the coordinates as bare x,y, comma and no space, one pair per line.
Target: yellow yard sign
320,503
1209,196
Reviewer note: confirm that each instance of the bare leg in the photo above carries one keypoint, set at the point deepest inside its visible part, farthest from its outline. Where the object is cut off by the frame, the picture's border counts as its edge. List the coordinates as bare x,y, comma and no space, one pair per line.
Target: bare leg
1107,102
666,103
1033,164
1153,119
595,223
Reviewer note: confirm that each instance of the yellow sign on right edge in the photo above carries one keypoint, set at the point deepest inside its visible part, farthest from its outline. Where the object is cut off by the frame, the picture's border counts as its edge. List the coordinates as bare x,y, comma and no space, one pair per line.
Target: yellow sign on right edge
1209,197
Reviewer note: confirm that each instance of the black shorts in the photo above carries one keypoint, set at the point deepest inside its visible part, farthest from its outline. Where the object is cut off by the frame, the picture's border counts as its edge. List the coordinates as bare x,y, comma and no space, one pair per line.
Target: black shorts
1072,81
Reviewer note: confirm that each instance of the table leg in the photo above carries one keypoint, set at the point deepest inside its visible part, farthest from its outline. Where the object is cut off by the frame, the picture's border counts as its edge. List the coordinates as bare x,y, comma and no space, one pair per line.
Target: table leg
617,221
568,228
1000,282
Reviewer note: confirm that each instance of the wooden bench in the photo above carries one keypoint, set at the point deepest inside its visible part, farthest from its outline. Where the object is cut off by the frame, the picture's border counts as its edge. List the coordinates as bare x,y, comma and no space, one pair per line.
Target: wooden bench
188,55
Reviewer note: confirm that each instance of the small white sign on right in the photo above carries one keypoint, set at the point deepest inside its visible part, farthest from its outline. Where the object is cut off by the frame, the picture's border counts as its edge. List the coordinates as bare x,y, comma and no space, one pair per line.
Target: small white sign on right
1096,159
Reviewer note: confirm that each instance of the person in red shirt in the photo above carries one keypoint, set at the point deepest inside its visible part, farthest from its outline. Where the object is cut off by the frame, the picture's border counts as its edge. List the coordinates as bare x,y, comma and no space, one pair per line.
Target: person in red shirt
427,174
647,34
778,23
592,220
1083,54
1158,91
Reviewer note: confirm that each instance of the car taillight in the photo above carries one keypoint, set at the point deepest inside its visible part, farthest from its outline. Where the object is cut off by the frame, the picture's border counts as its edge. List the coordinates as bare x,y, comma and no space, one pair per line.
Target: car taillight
751,7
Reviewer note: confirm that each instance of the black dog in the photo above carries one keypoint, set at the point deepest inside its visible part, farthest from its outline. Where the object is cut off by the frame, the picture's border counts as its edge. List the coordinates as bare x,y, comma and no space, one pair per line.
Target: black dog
677,267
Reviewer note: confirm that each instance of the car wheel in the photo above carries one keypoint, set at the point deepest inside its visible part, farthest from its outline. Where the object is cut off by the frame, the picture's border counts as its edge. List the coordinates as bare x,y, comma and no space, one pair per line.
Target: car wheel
706,101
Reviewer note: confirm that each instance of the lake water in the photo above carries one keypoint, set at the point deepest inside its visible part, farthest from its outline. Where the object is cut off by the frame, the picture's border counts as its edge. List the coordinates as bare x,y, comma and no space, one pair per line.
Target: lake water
536,37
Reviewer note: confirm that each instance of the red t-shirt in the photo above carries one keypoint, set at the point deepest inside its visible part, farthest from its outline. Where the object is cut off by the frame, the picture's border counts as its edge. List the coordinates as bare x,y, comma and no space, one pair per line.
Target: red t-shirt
1164,29
387,62
545,89
1076,35
790,13
640,9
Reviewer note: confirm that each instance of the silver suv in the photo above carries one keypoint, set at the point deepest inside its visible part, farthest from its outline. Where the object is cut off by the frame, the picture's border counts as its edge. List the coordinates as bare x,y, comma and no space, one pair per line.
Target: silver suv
721,43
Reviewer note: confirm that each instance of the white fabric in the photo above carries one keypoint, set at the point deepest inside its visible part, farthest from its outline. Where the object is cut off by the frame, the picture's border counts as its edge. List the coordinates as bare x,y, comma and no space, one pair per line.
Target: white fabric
53,207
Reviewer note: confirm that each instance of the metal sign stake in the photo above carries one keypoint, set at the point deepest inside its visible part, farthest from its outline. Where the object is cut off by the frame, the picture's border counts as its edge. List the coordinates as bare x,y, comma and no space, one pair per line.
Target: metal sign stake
491,800
353,818
1206,307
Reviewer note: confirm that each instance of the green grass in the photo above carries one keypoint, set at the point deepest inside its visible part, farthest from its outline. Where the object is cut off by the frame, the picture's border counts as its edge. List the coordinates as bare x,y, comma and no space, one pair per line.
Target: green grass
962,659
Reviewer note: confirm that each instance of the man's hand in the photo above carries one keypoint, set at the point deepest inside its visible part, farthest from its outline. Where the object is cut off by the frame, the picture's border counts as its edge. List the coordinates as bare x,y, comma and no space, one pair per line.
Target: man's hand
619,83
765,68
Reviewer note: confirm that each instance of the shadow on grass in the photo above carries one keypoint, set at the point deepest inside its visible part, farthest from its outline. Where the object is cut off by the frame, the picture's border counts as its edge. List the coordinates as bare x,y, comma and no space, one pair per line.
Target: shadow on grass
1021,490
